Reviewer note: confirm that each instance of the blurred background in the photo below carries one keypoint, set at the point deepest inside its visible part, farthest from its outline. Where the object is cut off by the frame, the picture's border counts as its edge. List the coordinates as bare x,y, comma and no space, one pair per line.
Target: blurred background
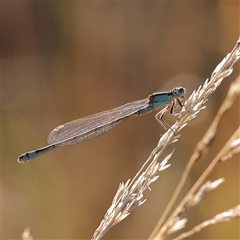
65,60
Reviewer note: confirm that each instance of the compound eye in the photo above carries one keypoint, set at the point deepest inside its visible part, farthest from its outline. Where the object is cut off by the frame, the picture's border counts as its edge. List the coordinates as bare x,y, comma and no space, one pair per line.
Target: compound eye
181,91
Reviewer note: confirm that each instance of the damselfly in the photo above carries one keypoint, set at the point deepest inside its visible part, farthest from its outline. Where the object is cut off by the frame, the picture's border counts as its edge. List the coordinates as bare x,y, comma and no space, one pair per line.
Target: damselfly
88,127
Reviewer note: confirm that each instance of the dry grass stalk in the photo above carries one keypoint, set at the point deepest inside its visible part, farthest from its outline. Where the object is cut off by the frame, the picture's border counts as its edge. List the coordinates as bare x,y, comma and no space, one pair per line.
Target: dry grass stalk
204,144
128,198
219,218
231,147
130,194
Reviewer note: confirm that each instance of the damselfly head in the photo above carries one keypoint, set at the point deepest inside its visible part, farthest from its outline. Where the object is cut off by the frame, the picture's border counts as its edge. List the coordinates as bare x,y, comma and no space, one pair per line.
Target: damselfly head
179,91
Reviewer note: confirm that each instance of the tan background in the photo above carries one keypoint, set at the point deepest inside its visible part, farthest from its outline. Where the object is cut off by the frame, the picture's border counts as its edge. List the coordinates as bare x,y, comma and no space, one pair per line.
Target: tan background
65,60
